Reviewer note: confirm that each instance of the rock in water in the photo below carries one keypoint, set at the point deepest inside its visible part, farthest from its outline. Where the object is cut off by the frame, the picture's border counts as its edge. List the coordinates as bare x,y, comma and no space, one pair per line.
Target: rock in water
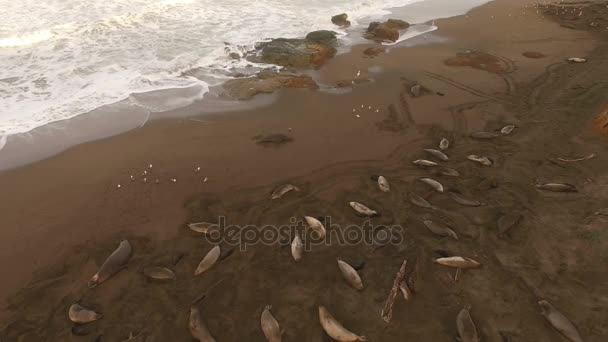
363,210
208,261
387,31
557,187
383,184
282,190
324,37
297,248
114,263
458,262
350,275
433,184
335,330
340,20
198,328
560,322
266,82
440,229
299,53
80,314
270,326
444,144
159,273
437,154
466,327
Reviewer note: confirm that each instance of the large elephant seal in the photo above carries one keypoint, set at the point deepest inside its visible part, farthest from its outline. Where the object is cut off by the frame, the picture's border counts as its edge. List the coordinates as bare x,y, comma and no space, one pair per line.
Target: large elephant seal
114,263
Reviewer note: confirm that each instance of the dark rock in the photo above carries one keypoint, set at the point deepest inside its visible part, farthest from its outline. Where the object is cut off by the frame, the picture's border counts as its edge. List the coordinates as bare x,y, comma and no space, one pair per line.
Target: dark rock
324,37
234,55
266,82
532,54
276,138
373,51
340,20
313,51
388,30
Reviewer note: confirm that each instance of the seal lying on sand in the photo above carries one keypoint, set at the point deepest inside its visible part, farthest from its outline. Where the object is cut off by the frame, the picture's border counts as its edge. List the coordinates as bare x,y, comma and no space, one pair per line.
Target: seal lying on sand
198,328
560,322
270,326
466,327
114,263
334,329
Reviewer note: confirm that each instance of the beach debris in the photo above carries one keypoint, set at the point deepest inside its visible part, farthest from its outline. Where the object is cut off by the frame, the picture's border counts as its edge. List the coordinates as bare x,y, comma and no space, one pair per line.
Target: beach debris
197,170
417,200
507,129
202,227
487,184
433,184
316,226
159,273
416,90
557,187
114,263
362,209
440,229
444,144
297,248
483,160
577,60
350,275
465,325
270,325
424,162
458,262
560,322
80,314
387,310
484,135
198,328
208,261
405,290
566,160
446,171
334,329
437,154
383,184
282,190
460,199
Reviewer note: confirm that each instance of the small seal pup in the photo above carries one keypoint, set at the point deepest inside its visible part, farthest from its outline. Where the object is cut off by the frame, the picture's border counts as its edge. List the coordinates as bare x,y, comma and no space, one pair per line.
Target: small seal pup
114,263
335,330
466,327
560,322
270,326
80,314
198,328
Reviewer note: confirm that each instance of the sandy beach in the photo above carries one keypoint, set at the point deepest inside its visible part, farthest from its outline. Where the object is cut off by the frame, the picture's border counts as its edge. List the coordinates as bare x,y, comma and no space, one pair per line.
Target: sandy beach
61,217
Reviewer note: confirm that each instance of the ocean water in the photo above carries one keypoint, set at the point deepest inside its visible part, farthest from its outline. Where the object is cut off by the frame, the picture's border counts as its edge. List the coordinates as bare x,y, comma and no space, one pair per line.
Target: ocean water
62,58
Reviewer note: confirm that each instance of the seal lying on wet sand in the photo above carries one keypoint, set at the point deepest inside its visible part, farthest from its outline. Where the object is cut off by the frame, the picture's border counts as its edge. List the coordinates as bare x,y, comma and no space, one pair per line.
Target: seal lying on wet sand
114,263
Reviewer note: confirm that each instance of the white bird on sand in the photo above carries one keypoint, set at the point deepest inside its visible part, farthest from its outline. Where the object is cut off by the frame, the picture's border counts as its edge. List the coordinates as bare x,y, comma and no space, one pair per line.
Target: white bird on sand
358,73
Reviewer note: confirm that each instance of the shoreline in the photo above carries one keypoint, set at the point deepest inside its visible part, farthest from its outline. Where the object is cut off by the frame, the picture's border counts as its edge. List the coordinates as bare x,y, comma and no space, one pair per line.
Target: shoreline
66,212
121,117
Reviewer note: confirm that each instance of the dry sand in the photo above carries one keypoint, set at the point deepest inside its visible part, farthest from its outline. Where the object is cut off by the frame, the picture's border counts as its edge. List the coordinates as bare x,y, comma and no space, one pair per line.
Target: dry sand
61,217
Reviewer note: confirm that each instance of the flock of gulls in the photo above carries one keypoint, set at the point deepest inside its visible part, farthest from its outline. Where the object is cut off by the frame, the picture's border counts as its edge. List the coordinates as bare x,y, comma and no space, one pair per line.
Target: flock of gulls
333,328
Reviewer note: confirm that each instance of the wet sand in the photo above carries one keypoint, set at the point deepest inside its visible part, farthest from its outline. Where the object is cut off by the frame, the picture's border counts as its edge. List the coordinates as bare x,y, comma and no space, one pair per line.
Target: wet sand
63,216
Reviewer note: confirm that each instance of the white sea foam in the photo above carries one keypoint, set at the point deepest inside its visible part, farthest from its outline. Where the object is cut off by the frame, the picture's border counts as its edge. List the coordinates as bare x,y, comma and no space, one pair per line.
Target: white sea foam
62,58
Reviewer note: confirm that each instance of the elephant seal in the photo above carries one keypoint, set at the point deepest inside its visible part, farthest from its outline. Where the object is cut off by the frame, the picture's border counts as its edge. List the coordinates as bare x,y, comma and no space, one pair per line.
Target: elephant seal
114,263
